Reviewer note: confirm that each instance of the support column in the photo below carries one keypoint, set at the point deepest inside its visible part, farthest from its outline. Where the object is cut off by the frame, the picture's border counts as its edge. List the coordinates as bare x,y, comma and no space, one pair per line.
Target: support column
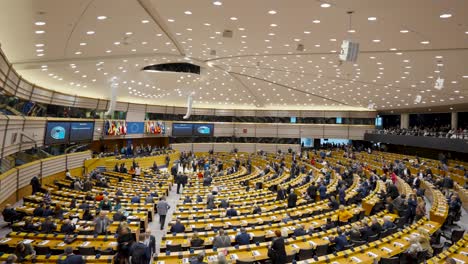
454,120
404,120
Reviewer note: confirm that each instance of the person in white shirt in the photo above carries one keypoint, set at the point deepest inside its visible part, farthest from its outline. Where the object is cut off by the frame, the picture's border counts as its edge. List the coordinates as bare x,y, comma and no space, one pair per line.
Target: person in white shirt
137,171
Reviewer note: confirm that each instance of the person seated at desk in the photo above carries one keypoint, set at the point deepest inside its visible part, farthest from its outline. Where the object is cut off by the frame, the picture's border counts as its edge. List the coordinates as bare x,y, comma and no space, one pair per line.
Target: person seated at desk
343,215
354,234
105,204
39,211
84,205
375,226
149,199
47,211
231,212
119,216
28,225
243,238
366,231
224,204
299,231
328,225
450,261
221,240
67,227
119,192
58,212
71,258
87,216
286,218
196,241
10,215
340,241
101,223
187,200
257,209
48,226
178,227
199,199
89,197
99,197
135,199
333,204
23,250
117,205
388,224
198,259
72,203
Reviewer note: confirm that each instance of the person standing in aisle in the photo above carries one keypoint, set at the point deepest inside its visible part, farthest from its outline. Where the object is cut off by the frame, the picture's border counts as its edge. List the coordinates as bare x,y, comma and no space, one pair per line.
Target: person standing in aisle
162,208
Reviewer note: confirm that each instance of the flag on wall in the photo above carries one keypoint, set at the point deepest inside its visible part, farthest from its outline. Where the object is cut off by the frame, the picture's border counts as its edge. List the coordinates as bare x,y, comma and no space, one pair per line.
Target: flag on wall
115,127
155,127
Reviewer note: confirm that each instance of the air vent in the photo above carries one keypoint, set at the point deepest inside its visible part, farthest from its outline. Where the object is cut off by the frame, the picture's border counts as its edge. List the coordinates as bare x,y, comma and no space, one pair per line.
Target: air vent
173,67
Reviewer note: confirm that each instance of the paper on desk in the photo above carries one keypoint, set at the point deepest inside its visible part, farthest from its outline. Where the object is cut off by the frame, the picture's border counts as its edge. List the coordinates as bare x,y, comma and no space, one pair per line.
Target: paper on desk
371,254
212,258
458,261
228,223
192,226
161,262
255,253
232,236
387,249
464,253
233,256
28,241
168,242
312,243
397,244
61,244
5,240
355,259
43,242
295,246
113,244
184,260
211,238
84,244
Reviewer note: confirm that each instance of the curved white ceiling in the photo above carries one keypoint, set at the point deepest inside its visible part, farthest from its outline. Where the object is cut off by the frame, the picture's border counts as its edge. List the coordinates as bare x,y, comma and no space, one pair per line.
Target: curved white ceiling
405,46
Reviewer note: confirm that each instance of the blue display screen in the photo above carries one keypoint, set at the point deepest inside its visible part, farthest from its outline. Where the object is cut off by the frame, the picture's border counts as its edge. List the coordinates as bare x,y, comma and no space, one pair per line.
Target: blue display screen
135,127
293,119
338,120
182,130
203,130
81,131
57,133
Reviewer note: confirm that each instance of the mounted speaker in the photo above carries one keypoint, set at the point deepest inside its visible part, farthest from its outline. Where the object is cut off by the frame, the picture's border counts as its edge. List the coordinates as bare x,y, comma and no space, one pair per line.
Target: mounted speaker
349,51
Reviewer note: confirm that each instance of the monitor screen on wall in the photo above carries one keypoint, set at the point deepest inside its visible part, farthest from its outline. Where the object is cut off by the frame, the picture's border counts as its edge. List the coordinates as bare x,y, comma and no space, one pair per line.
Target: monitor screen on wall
307,142
81,131
57,133
182,130
203,130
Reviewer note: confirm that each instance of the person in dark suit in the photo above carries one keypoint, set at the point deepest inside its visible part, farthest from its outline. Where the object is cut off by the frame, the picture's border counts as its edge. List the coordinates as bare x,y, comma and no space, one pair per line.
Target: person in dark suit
366,232
178,180
101,223
312,191
196,241
329,224
39,211
243,238
36,185
299,231
388,224
150,241
71,258
376,227
333,204
23,250
231,212
47,212
140,253
9,214
119,216
281,194
224,204
178,227
340,241
48,226
292,199
277,251
67,227
322,191
28,225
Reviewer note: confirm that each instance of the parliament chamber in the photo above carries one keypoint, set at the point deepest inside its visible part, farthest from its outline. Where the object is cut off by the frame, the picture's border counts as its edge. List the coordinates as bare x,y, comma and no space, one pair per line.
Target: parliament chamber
249,132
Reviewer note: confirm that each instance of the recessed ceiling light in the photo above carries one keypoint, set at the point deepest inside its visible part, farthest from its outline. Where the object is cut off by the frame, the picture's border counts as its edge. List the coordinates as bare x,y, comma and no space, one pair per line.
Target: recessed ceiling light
325,5
40,31
233,18
376,40
306,32
207,24
40,23
404,31
351,31
40,54
332,39
466,32
82,44
108,51
90,32
101,17
39,50
116,43
39,45
78,52
171,20
217,3
393,49
445,15
465,76
316,21
372,18
273,25
145,21
188,12
272,12
128,33
425,42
